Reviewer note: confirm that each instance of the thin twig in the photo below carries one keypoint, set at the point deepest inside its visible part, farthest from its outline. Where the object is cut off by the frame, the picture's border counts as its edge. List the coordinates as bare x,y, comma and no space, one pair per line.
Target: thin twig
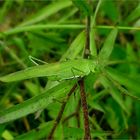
87,45
50,136
69,116
77,113
87,135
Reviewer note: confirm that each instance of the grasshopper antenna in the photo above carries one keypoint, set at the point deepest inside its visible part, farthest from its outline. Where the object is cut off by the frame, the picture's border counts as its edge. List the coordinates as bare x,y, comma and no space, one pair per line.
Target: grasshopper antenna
35,60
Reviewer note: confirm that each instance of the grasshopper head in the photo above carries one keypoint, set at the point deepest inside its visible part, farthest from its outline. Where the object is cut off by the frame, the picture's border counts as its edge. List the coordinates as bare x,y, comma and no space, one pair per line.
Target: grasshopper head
93,66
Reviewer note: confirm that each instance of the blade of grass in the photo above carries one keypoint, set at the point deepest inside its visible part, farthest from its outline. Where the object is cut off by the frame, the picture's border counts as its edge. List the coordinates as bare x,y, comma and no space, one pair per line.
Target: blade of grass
68,15
40,27
107,48
47,11
133,15
83,6
60,26
93,49
36,134
75,48
5,8
93,20
34,104
12,54
115,117
131,57
124,79
116,95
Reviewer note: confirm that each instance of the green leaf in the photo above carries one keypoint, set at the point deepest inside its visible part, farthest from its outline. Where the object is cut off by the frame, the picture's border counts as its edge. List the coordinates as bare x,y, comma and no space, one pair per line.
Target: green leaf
125,80
93,17
36,134
110,9
40,27
108,46
19,42
71,107
47,11
137,118
95,105
7,135
73,132
131,56
99,133
116,95
133,15
68,15
114,116
4,9
83,6
33,88
137,37
12,54
93,48
34,104
75,48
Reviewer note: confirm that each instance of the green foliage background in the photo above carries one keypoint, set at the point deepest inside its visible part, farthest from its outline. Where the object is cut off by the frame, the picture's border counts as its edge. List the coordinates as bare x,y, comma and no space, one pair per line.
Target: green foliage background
55,31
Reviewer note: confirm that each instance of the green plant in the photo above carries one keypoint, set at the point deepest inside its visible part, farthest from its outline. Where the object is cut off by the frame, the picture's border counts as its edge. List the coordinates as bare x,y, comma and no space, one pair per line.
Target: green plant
49,98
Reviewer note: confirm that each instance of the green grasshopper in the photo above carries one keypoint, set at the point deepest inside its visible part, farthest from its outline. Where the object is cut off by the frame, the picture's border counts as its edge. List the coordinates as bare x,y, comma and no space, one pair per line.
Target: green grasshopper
55,71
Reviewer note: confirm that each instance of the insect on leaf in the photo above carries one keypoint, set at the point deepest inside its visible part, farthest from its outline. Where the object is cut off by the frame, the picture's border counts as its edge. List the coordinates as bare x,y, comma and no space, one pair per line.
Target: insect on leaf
54,71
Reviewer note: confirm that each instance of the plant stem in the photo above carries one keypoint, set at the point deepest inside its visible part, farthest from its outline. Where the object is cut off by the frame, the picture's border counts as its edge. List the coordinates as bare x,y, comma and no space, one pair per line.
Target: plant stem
87,48
58,118
87,135
85,110
60,26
